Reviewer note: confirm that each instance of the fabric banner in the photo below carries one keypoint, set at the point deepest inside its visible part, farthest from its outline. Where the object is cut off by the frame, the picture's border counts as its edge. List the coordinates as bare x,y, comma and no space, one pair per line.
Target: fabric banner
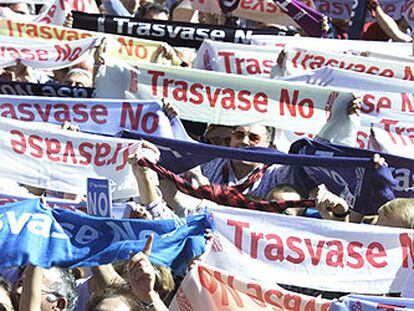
320,254
43,56
125,48
97,116
265,11
61,160
357,19
174,33
67,239
222,99
48,90
248,60
53,13
336,45
402,169
387,106
298,60
342,9
209,288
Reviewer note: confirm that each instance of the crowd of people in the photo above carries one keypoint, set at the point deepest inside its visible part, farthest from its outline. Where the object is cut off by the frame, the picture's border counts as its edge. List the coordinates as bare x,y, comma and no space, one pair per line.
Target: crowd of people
229,179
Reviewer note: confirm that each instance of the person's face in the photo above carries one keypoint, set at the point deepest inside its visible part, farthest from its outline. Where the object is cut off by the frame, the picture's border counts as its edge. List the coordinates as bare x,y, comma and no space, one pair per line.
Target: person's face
113,304
5,301
49,301
77,80
245,136
219,136
390,221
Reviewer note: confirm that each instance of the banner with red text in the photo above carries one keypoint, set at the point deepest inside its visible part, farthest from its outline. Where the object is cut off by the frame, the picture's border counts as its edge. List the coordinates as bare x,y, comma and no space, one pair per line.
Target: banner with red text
43,55
125,48
225,99
387,107
342,9
391,49
46,156
100,116
209,288
313,253
299,60
265,11
248,60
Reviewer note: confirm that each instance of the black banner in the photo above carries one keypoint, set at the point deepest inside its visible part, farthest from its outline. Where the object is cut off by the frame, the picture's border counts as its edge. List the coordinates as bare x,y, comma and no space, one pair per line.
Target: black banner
174,33
49,90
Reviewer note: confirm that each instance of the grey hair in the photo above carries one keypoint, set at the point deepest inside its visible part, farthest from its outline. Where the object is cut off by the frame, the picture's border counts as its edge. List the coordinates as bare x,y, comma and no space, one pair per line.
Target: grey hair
81,71
66,287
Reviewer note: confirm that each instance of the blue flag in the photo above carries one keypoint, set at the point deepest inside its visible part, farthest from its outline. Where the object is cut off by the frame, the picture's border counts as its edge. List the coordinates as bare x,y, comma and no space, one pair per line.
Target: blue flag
31,234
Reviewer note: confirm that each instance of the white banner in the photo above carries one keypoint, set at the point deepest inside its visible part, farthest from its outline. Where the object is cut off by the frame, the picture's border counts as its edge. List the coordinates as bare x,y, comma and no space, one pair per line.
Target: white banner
225,99
209,288
319,254
53,13
248,60
265,11
92,115
43,55
298,60
45,156
387,106
336,45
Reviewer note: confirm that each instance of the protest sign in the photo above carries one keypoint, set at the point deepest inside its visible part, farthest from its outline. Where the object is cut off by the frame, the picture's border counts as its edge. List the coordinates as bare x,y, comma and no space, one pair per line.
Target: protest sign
342,9
125,48
67,239
48,90
222,99
248,60
97,116
297,60
99,197
336,45
174,33
41,155
372,303
314,253
208,288
265,11
43,56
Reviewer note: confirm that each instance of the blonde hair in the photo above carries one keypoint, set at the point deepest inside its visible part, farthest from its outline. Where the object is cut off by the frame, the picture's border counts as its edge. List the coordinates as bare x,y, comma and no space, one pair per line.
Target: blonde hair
403,207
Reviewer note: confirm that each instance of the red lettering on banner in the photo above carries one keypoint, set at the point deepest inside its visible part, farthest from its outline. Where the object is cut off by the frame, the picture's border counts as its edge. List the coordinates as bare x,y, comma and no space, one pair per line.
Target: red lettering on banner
252,66
305,106
391,128
213,281
148,122
227,98
408,74
258,5
257,296
406,103
47,19
407,247
296,250
55,150
65,52
369,103
134,50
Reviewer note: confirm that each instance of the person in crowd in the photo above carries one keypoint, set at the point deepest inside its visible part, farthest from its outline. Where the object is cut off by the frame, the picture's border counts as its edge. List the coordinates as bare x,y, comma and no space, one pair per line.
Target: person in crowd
78,77
385,27
6,301
397,213
19,7
219,135
153,10
46,289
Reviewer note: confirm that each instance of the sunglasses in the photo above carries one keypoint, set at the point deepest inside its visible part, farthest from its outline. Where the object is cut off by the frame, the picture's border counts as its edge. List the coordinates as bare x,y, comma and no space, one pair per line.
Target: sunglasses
240,135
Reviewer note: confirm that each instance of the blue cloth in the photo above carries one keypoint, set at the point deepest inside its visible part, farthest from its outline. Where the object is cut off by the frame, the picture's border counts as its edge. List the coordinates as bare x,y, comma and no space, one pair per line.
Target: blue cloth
31,234
115,7
357,21
372,303
348,172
